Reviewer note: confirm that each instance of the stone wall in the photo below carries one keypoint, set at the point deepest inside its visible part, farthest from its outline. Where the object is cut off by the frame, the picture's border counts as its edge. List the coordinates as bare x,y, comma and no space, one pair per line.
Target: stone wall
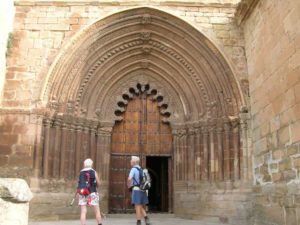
219,202
6,21
41,30
272,38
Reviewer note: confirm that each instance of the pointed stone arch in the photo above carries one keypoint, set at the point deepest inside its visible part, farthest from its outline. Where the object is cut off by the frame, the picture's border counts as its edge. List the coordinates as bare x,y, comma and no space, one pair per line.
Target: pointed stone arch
143,40
119,56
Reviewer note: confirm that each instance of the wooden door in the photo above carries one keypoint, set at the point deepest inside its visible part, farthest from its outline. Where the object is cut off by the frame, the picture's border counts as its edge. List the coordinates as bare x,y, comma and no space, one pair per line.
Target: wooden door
141,133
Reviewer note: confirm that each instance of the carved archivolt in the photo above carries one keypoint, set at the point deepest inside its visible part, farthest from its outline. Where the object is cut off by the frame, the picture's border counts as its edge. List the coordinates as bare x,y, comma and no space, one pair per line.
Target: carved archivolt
105,61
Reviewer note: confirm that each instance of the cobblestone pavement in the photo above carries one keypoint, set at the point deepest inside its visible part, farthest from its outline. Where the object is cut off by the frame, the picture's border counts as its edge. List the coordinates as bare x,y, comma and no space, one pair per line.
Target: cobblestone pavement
129,220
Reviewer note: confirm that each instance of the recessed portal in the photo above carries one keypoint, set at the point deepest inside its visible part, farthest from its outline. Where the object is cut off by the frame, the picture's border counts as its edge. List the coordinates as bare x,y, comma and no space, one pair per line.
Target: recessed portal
159,192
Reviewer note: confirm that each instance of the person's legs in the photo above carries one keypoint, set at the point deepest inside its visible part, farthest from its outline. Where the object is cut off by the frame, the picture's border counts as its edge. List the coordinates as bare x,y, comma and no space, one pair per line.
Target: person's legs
83,214
138,211
97,213
143,211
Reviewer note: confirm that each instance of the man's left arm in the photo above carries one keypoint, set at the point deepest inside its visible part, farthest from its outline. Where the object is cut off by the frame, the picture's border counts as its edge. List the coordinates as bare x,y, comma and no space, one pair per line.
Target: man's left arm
129,182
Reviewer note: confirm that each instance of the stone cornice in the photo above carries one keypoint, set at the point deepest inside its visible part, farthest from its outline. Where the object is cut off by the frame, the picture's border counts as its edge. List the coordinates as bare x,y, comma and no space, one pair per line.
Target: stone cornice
13,111
244,10
195,3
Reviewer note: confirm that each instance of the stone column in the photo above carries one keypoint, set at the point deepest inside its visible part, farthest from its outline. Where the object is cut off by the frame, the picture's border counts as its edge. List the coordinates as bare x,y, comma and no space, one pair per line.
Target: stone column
245,160
205,164
198,156
226,151
220,153
177,159
179,141
191,154
57,143
79,128
63,149
47,124
236,149
71,150
103,149
93,144
86,141
183,154
38,152
212,160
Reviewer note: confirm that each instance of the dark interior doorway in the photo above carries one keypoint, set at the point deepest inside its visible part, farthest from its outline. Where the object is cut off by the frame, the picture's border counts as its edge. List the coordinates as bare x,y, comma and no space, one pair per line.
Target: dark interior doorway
159,192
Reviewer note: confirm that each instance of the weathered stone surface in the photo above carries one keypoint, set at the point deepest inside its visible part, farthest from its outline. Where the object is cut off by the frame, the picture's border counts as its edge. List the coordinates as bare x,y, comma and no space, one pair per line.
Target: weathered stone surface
15,190
14,201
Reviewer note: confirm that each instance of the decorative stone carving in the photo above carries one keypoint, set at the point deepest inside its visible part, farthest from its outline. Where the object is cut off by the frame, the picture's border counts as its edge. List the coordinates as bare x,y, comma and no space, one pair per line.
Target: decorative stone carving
146,19
146,36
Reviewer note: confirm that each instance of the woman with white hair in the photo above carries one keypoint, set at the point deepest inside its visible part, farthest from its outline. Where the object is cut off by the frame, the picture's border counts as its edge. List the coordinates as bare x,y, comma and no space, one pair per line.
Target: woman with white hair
139,197
92,199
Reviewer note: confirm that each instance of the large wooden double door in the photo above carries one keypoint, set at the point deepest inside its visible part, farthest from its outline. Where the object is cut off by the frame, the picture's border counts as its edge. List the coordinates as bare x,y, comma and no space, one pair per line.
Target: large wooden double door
141,133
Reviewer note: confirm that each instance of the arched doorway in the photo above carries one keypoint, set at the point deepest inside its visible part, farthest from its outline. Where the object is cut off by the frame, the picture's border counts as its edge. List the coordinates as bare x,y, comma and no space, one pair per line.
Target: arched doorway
141,133
147,52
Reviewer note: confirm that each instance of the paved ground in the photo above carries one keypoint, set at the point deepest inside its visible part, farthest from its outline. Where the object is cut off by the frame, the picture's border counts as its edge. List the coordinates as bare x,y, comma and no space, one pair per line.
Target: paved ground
129,220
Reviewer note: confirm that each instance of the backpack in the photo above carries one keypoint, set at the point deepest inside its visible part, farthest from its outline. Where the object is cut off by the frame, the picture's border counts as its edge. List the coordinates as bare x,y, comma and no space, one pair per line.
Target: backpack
145,179
84,183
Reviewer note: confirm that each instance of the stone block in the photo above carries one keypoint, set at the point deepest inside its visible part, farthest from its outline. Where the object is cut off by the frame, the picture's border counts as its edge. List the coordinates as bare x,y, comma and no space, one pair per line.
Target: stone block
292,149
291,217
202,19
289,175
293,188
5,150
20,161
294,112
295,132
8,139
219,20
296,162
277,177
285,164
297,200
278,154
47,20
272,215
223,34
14,201
3,160
284,135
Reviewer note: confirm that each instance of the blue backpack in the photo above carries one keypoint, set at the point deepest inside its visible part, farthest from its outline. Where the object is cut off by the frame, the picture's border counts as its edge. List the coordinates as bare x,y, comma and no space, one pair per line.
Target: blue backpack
86,182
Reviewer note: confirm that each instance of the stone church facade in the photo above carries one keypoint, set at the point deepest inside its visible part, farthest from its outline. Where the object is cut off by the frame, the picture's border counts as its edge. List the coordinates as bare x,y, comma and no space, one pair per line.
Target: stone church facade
205,92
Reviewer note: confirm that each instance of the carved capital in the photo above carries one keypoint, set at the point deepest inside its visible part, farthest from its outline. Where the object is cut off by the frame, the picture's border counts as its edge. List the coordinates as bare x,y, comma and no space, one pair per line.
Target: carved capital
146,19
105,131
57,121
192,131
47,122
219,130
204,130
227,127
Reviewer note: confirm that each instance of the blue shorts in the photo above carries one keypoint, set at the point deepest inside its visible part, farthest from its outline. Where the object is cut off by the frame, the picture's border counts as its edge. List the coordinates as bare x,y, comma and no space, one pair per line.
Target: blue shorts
139,197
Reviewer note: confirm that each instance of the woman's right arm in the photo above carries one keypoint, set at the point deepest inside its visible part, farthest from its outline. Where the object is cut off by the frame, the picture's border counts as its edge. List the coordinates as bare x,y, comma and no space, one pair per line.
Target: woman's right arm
97,179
